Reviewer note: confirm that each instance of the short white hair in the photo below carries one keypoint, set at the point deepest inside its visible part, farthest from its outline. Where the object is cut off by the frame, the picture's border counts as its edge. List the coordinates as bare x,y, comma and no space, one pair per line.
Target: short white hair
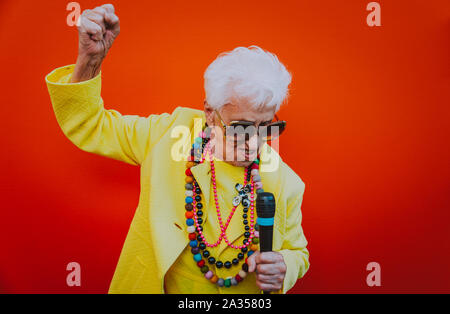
249,73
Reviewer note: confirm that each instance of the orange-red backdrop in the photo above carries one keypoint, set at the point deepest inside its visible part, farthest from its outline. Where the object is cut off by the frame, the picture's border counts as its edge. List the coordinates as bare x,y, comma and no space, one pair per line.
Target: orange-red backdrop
368,133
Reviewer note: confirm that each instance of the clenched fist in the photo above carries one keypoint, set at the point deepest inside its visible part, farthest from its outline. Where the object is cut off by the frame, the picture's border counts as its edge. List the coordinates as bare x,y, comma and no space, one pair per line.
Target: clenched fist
97,30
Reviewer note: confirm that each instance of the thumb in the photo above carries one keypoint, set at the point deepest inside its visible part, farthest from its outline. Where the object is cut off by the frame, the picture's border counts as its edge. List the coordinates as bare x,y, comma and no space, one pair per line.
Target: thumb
251,261
112,22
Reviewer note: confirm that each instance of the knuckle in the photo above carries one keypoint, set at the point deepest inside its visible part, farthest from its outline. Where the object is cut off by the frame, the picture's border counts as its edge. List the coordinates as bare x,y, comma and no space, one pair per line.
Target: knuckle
261,268
115,18
108,7
99,9
96,16
87,13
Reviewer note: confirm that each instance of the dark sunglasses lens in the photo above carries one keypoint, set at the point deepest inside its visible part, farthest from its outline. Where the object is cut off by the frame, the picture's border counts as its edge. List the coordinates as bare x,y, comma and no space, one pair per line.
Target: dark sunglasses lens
272,131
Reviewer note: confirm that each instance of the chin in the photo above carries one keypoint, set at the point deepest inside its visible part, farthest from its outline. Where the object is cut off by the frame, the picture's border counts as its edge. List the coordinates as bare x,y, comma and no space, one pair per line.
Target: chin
240,163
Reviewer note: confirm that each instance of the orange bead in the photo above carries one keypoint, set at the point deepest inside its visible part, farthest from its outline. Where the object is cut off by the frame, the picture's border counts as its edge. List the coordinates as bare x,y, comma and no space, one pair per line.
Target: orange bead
254,247
190,164
214,279
189,214
189,179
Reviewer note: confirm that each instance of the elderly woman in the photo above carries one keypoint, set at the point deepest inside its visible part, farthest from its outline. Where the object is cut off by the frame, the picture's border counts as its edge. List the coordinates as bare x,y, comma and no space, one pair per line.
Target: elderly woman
195,229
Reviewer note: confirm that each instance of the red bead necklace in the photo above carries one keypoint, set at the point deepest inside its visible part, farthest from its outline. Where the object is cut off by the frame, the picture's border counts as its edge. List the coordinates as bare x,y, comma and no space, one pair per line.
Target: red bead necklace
223,227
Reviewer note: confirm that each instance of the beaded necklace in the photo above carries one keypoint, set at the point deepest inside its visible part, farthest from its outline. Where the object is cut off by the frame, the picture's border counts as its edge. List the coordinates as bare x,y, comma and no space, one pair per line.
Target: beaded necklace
252,180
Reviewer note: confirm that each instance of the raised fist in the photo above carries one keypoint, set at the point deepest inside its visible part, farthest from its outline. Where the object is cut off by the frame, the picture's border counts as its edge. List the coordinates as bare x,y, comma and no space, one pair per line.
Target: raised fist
97,30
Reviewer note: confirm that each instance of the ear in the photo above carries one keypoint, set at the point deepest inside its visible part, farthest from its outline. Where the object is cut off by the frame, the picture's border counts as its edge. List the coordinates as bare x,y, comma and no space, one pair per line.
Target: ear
209,113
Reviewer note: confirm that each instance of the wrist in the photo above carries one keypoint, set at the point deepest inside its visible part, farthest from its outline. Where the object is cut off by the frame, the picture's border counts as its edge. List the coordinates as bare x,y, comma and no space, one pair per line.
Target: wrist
86,68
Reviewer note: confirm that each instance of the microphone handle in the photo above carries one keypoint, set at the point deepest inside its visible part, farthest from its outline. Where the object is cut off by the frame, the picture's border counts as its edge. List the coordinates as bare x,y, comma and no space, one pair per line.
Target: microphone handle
265,242
265,238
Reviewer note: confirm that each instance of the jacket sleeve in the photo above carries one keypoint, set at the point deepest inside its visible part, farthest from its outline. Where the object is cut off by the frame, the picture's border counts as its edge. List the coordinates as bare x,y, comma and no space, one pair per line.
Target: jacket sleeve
80,113
294,251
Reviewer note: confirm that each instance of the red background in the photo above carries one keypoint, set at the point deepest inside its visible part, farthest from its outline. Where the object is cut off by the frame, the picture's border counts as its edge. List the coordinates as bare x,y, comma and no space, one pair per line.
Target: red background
368,126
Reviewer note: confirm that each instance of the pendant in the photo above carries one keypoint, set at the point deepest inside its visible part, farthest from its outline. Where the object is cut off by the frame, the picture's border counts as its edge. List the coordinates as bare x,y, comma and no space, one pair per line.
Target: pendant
237,200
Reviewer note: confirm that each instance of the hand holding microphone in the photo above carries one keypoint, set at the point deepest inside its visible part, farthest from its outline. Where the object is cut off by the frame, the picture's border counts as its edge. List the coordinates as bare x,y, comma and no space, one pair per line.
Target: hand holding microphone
269,266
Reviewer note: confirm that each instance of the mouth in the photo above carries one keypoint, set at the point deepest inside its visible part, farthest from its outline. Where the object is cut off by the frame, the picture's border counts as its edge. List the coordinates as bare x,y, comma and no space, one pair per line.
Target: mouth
248,155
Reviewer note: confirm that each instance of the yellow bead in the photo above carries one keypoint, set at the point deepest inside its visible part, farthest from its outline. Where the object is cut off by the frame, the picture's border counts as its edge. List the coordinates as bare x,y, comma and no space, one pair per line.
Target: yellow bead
254,247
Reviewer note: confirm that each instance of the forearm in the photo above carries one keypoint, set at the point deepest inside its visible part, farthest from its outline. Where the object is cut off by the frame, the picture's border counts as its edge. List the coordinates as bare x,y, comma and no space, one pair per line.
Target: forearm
85,69
80,112
77,106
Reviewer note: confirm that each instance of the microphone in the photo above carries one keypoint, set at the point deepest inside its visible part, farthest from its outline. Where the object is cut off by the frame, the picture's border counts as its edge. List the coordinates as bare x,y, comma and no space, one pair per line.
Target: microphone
265,209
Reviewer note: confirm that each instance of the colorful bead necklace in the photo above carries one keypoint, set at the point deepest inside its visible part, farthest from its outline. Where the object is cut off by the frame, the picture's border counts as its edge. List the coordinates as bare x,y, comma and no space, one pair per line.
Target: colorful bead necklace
252,180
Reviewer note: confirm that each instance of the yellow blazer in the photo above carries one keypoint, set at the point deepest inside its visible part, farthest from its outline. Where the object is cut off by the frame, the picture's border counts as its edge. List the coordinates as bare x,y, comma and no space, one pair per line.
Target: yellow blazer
157,234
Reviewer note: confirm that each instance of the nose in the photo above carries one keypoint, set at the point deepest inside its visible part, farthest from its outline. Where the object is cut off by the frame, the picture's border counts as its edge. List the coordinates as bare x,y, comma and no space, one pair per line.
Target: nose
252,143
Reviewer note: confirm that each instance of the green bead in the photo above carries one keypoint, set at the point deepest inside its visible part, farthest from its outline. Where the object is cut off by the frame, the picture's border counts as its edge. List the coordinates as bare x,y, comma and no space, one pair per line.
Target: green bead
204,269
198,140
227,283
255,240
256,161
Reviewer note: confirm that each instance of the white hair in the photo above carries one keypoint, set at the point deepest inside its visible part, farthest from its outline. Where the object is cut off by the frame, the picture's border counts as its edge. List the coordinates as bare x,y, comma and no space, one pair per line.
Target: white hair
249,73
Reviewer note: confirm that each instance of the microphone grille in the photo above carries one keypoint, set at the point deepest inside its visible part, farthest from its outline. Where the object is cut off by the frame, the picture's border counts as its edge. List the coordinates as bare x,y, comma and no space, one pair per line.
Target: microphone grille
265,205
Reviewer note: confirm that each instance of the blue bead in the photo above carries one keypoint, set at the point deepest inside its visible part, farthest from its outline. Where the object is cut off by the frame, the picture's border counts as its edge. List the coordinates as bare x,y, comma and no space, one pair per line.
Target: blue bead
189,222
196,145
250,253
198,140
193,243
189,199
220,282
197,257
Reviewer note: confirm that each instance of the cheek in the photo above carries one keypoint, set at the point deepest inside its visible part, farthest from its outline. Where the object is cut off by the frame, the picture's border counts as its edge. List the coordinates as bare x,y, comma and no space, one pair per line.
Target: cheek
230,145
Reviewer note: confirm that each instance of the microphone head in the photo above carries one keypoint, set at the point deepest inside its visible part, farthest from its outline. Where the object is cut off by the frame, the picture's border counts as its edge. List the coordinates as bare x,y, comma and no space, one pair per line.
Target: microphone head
265,205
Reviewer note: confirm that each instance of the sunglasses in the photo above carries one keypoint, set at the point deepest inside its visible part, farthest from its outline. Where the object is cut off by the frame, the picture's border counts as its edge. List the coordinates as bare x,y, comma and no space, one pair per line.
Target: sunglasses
267,131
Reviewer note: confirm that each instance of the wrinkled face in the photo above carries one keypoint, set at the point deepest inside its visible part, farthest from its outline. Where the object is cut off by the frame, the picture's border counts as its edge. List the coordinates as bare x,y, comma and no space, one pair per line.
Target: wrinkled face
238,150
